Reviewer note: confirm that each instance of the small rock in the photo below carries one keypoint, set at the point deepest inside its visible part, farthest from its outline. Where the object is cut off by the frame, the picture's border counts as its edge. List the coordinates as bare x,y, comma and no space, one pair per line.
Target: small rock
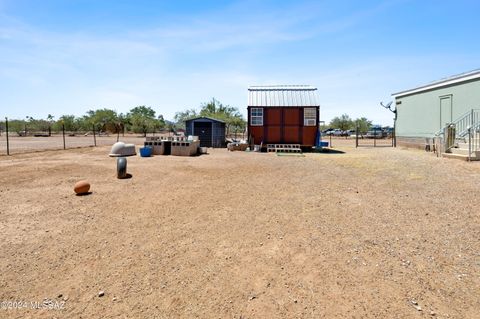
65,298
295,300
432,313
60,296
252,297
101,293
416,305
114,299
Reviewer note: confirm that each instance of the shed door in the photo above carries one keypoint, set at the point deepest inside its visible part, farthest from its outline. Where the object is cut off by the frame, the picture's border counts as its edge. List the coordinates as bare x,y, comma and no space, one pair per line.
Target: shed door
445,110
204,132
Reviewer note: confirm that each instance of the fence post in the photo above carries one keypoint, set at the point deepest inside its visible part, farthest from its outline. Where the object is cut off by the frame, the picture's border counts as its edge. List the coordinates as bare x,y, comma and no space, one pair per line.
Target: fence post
356,136
330,140
94,137
469,143
6,132
63,133
374,138
394,133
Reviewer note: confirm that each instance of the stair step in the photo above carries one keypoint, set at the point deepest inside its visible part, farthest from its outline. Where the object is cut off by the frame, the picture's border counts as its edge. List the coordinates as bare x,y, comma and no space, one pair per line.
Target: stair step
459,151
455,156
464,151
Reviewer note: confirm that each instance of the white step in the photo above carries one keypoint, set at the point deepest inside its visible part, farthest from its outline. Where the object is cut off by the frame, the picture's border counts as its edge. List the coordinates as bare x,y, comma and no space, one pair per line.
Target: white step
460,157
455,156
463,153
459,151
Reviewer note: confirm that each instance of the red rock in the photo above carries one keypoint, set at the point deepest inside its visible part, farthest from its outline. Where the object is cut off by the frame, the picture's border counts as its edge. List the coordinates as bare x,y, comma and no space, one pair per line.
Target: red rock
81,187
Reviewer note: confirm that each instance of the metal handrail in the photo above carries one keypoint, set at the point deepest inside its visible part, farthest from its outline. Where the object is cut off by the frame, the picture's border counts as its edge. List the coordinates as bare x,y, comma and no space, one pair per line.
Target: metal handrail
469,119
473,140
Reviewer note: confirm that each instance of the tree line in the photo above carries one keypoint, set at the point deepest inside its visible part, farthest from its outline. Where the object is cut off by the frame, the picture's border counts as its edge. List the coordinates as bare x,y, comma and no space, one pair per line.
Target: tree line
140,119
345,123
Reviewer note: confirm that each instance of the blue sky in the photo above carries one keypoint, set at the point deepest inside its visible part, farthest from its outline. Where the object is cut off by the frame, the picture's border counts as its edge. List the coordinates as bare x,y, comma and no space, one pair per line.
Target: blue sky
66,57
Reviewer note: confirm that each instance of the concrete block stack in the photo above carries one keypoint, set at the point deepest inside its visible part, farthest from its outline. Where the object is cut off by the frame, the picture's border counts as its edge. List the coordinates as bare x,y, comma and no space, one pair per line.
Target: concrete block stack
177,145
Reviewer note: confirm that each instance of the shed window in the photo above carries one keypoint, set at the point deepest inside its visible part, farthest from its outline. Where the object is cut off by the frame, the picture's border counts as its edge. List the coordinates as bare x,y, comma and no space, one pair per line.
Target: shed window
256,116
309,117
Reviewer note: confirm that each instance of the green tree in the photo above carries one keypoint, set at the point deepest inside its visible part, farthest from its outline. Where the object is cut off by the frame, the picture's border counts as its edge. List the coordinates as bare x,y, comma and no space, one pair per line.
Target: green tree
15,125
160,122
70,121
229,114
344,122
103,119
122,122
363,124
142,118
181,117
50,121
237,125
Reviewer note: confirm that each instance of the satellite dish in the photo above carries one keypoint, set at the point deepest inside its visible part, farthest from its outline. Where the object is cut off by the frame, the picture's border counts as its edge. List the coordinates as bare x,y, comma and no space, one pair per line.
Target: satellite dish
388,106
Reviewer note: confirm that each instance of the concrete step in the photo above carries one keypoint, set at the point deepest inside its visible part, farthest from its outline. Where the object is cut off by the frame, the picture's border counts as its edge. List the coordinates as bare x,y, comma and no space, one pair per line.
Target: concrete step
458,156
464,151
459,151
465,145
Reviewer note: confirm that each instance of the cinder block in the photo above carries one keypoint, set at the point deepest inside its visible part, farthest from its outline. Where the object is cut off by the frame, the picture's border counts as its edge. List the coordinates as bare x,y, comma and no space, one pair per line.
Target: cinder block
185,148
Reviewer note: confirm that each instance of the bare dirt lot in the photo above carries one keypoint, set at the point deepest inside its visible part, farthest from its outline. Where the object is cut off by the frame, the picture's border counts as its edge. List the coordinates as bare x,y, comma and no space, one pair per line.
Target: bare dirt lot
29,144
371,233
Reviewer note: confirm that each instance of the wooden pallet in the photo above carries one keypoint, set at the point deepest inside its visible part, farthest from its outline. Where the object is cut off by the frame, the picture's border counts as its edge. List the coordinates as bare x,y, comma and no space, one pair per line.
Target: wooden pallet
285,148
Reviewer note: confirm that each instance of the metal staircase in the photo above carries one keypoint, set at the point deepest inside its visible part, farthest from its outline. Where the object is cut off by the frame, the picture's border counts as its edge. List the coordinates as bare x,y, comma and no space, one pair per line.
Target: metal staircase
461,138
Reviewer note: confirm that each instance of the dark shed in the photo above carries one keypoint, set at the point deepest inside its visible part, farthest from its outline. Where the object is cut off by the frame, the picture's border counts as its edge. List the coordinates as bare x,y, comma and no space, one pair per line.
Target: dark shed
211,132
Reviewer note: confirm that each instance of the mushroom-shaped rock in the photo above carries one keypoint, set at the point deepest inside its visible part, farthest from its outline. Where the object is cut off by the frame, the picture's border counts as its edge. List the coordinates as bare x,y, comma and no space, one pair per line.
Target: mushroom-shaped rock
122,149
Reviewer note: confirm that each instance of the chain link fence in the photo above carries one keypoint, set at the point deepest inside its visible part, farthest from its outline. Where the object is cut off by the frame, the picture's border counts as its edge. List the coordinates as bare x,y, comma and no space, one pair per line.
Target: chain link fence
25,141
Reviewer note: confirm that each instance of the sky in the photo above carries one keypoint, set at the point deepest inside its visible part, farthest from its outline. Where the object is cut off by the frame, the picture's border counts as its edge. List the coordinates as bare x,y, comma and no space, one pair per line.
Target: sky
67,57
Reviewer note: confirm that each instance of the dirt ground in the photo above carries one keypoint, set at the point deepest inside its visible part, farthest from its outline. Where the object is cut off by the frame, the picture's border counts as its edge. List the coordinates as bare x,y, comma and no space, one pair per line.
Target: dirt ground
370,233
29,144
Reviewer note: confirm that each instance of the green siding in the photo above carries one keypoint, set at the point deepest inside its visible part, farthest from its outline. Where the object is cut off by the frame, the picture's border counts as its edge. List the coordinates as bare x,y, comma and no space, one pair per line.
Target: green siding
419,115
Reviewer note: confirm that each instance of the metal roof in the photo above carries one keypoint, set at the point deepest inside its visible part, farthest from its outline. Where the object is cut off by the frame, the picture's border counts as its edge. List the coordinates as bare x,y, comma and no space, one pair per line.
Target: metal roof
204,118
283,95
455,79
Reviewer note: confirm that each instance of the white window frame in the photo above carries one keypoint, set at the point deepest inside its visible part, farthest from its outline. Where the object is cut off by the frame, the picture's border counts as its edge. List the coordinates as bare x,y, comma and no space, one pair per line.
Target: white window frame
309,119
256,120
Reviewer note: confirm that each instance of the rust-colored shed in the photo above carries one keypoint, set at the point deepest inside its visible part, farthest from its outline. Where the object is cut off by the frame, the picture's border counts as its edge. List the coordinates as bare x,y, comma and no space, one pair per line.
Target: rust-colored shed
283,114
